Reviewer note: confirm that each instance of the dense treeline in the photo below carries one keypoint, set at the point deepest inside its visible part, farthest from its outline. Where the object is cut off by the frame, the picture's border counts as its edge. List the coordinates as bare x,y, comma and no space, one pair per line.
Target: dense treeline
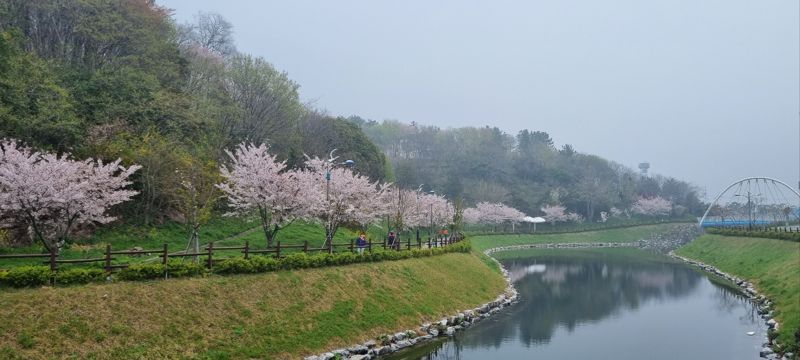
525,171
112,79
119,78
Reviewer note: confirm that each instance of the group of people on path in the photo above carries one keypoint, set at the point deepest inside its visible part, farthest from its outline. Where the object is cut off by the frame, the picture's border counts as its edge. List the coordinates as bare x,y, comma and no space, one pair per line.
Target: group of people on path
391,241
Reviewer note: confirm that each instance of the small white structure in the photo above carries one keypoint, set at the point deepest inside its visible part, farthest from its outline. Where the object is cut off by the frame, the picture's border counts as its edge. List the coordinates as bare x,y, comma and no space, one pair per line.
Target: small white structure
534,221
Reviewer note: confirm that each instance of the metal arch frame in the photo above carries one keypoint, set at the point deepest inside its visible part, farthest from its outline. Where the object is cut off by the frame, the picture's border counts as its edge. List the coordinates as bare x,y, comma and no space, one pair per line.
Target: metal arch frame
700,223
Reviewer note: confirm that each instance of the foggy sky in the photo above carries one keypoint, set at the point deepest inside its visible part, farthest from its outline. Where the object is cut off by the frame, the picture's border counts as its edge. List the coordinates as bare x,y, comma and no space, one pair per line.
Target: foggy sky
706,91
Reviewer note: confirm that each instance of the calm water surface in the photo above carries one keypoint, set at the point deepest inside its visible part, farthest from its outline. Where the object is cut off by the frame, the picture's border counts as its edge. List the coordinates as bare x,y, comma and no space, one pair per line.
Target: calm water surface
608,304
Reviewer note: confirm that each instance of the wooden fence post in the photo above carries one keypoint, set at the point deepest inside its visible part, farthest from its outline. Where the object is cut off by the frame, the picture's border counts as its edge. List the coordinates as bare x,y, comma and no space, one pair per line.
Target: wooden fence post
305,246
352,242
369,245
246,250
53,265
108,258
278,250
429,242
408,244
210,255
165,260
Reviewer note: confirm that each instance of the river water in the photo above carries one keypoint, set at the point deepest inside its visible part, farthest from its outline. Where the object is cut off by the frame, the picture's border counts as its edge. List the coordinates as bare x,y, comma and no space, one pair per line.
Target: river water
608,304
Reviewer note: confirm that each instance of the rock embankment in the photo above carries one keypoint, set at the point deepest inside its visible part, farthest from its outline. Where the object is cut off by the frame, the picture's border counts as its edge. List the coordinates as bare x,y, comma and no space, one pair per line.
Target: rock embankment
676,237
447,326
763,304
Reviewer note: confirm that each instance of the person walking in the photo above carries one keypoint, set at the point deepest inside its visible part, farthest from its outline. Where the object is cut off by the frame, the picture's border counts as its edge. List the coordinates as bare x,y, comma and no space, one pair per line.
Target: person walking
361,243
390,240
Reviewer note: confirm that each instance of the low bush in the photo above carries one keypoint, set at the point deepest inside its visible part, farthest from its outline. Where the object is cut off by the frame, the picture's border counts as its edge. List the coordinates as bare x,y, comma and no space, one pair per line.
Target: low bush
295,261
235,266
264,263
28,276
179,268
79,276
40,275
771,234
141,272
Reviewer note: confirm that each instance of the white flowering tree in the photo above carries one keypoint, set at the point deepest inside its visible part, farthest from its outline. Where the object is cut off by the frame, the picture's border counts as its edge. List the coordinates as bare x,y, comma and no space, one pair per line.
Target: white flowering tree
337,196
435,211
555,213
52,194
492,214
256,180
654,206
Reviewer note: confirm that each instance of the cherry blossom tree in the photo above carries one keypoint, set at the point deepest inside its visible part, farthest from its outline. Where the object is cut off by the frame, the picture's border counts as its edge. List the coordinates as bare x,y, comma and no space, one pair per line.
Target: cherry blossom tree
492,214
256,180
653,206
336,195
435,210
554,213
52,194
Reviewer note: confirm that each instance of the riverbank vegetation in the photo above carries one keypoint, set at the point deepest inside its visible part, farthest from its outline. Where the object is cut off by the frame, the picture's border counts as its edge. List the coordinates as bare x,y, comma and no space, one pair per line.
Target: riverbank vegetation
619,235
773,266
285,314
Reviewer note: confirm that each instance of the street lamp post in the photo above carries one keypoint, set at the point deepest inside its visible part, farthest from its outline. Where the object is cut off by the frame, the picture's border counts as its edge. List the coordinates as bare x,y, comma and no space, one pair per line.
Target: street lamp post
430,229
749,210
417,219
329,165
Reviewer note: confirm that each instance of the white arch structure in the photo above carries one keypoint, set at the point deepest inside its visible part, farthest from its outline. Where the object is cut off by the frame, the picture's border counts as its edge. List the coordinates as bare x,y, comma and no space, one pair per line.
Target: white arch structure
765,179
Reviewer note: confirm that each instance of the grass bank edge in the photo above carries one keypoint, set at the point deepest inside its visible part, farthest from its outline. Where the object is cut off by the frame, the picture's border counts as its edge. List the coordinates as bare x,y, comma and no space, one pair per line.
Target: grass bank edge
773,266
620,235
282,314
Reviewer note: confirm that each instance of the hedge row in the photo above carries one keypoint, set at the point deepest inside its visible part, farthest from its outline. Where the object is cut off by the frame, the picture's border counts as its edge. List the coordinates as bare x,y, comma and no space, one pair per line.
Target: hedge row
790,236
42,275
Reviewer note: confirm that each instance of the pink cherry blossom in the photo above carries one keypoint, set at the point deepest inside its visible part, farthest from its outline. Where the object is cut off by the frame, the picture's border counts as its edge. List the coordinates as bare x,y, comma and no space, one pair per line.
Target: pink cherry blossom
52,194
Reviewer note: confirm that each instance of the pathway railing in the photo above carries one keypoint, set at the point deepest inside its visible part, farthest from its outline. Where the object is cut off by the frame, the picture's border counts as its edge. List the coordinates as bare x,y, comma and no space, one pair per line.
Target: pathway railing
211,254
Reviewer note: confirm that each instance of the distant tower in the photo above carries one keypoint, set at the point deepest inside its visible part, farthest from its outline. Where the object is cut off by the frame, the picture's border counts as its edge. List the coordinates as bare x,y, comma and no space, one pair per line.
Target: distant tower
643,167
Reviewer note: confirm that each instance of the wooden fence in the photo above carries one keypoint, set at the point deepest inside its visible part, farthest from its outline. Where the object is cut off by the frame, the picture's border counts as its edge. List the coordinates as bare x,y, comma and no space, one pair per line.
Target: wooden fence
207,253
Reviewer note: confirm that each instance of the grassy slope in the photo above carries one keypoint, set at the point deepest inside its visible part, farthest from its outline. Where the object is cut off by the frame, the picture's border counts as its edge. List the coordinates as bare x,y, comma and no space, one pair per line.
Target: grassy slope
772,265
614,235
274,315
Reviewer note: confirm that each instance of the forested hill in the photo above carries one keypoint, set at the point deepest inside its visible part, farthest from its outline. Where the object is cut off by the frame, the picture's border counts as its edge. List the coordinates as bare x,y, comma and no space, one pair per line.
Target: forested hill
119,78
525,171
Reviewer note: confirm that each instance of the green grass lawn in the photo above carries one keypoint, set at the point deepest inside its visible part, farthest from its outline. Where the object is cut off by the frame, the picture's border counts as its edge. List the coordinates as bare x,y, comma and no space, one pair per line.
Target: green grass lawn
772,265
280,315
622,235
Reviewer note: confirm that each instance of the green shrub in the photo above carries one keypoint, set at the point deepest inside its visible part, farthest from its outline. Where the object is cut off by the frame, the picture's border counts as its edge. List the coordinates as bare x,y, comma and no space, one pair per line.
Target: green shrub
141,272
3,276
28,276
345,258
320,260
264,263
235,266
179,268
295,261
79,276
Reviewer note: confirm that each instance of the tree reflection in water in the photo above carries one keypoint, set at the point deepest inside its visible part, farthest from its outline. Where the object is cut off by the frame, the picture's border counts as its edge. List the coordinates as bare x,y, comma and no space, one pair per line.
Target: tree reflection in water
568,288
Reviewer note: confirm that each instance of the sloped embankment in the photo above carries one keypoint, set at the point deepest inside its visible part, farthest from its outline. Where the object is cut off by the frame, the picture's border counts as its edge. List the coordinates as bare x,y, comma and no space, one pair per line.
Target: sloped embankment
276,315
772,266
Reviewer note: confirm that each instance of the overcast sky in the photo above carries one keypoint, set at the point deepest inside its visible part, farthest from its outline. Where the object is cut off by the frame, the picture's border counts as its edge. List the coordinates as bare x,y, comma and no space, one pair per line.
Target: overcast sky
706,91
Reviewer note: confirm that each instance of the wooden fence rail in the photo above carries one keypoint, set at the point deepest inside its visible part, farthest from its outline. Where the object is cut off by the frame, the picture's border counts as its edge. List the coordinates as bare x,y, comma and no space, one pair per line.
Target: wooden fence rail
208,252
